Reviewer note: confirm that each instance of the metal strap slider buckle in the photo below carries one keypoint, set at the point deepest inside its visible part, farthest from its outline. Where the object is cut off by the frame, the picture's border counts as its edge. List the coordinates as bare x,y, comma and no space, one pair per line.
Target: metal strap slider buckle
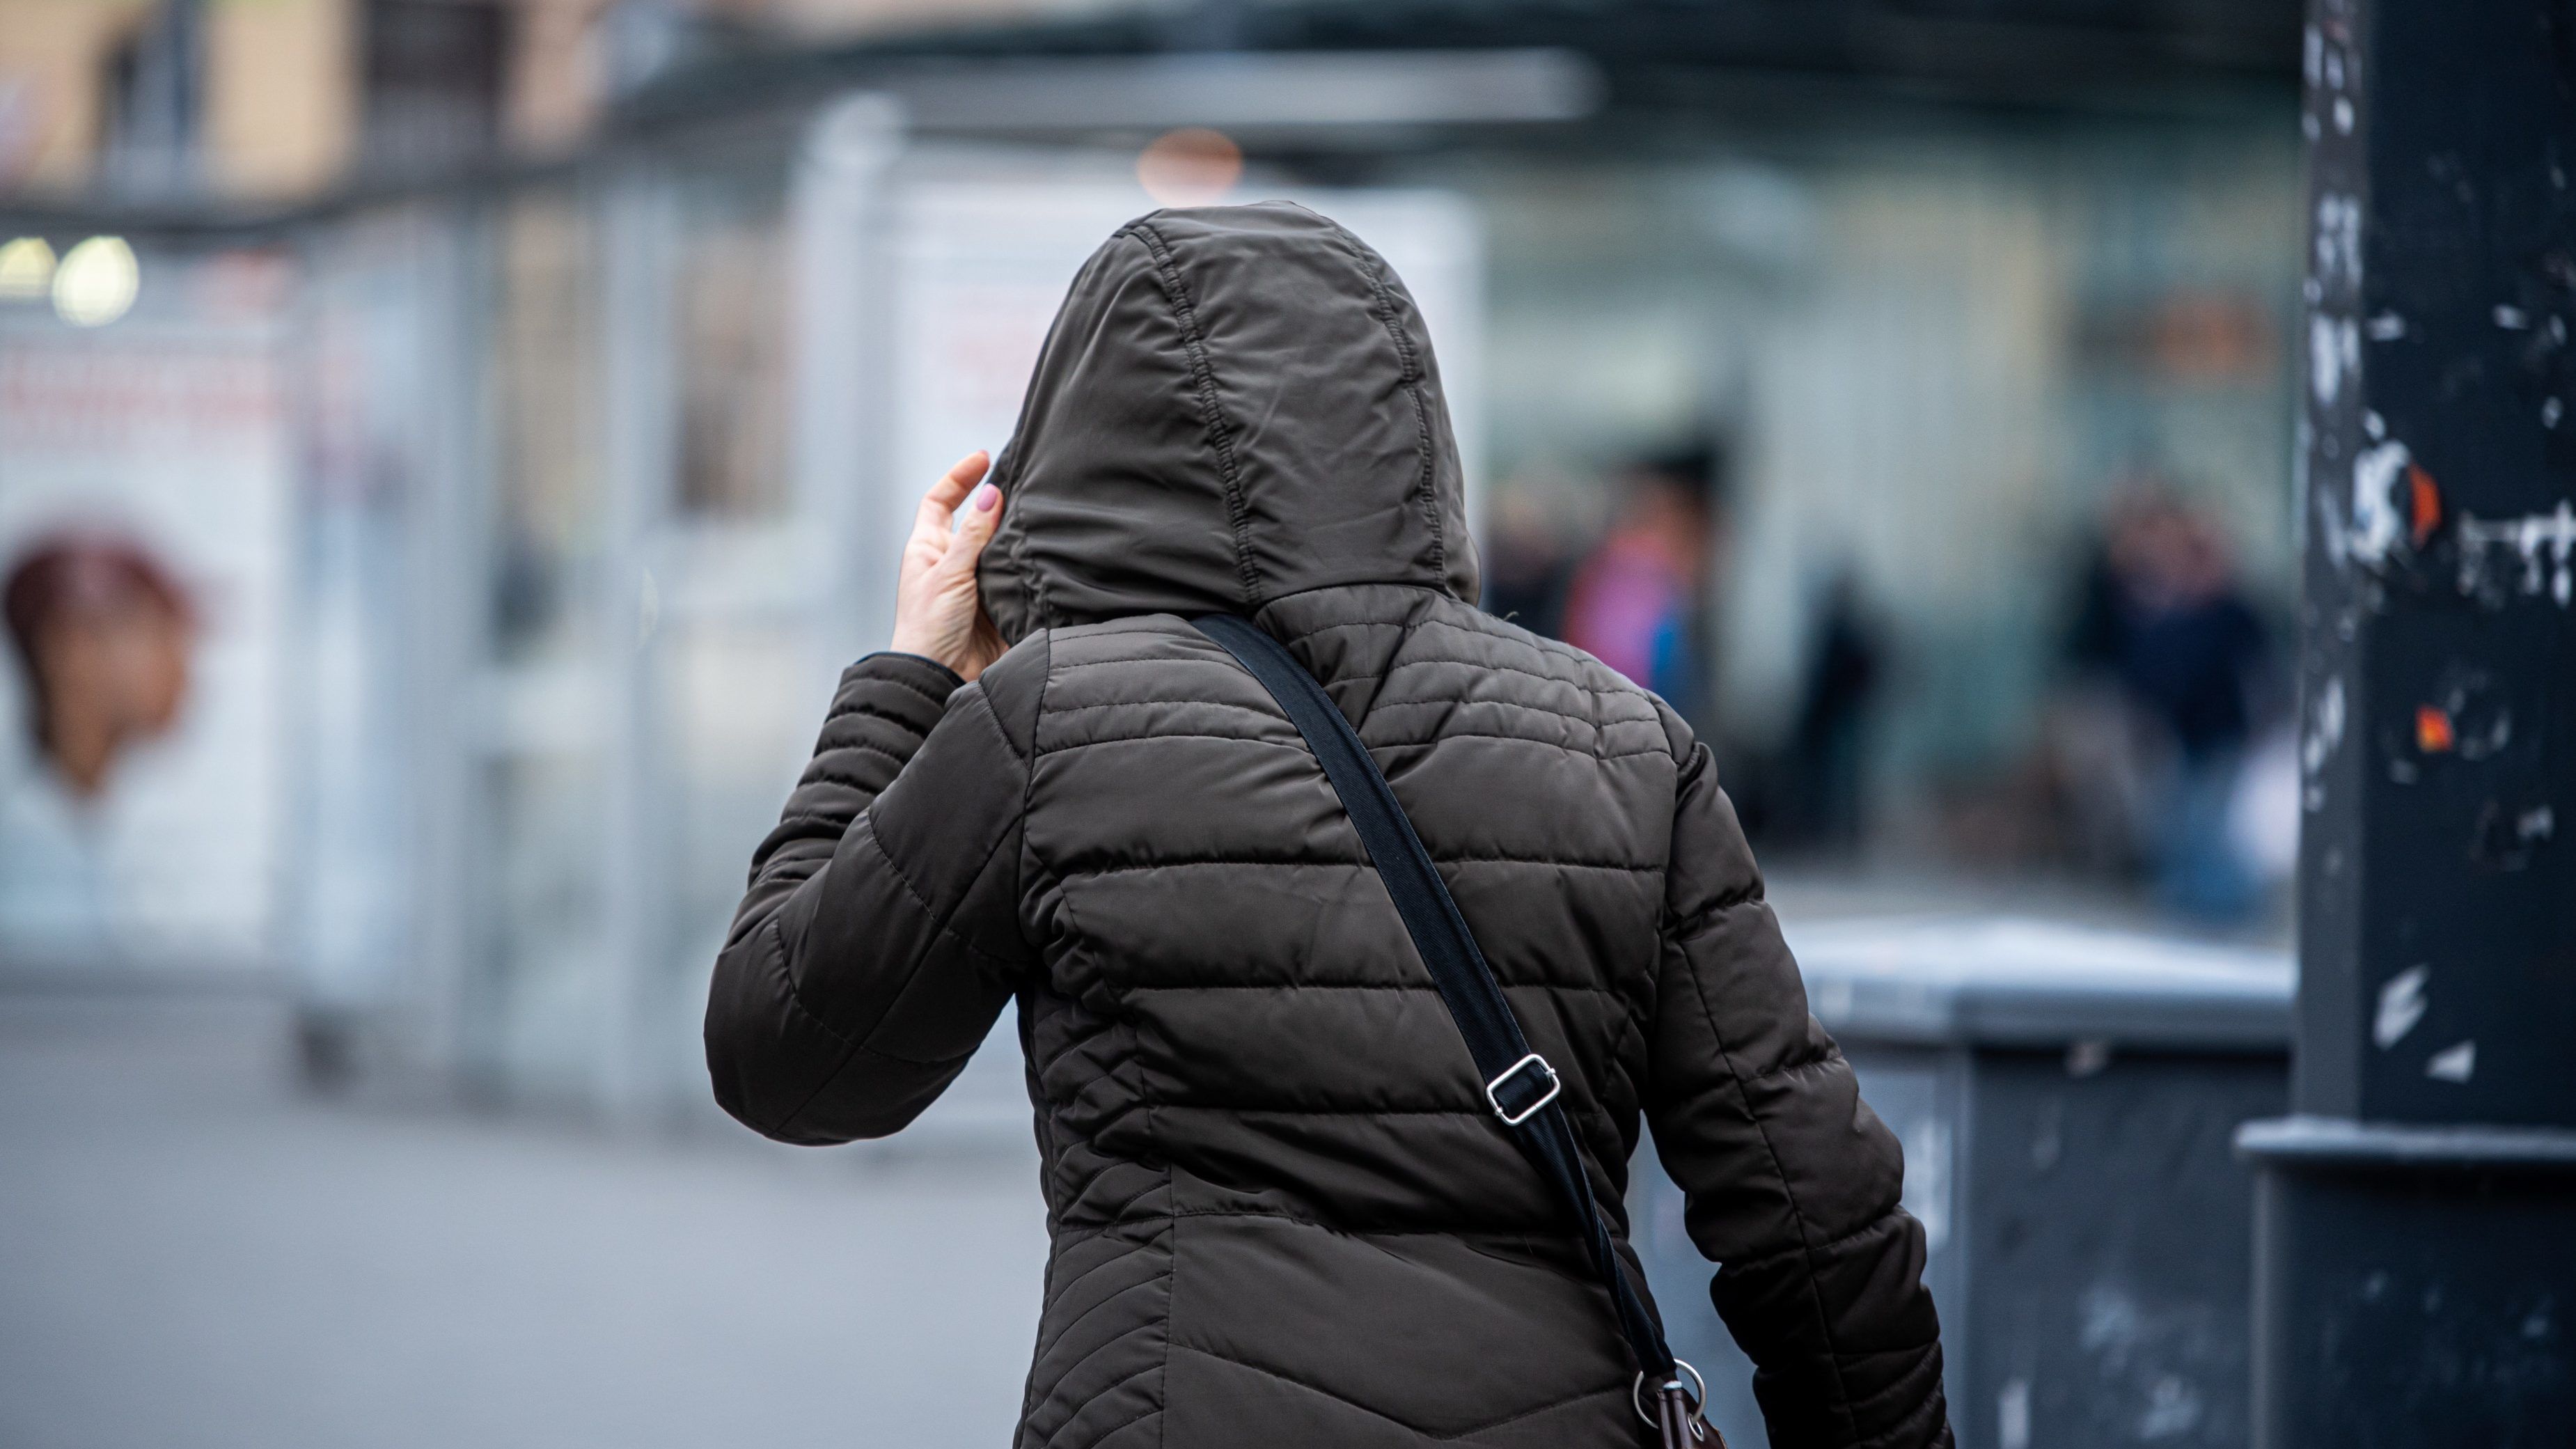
1515,1116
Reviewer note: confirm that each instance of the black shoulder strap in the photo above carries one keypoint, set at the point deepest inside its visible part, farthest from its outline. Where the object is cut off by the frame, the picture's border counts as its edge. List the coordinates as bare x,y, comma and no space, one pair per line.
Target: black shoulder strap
1518,1083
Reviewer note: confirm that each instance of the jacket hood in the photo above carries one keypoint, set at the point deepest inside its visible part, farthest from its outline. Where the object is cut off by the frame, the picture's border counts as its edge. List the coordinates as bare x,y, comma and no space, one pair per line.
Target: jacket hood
1234,404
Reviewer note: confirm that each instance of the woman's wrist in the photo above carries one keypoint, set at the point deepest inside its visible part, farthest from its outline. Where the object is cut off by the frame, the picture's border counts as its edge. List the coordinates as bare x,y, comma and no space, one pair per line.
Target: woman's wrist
907,659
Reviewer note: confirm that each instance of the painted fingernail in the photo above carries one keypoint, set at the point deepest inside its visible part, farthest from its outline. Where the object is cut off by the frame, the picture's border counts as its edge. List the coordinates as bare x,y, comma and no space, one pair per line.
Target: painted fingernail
986,495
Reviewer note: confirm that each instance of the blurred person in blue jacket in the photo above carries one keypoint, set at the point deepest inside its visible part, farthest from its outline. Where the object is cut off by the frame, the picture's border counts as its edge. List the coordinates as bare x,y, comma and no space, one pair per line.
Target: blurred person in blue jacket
2165,619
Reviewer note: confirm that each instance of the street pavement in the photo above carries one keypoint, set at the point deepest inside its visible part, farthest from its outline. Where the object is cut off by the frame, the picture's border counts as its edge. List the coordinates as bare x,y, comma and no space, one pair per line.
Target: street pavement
195,1253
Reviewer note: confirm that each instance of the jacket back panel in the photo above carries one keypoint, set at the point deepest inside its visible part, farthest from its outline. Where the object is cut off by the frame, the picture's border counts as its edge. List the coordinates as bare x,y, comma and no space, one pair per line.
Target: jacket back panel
1270,1169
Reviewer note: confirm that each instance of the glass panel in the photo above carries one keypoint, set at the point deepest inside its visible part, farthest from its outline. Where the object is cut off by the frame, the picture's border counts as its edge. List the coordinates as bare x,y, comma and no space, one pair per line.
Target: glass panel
731,304
536,1021
356,768
545,398
536,1005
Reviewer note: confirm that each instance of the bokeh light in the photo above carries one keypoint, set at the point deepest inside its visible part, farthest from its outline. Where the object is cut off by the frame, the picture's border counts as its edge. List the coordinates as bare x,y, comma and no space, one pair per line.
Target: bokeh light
1192,166
96,282
26,269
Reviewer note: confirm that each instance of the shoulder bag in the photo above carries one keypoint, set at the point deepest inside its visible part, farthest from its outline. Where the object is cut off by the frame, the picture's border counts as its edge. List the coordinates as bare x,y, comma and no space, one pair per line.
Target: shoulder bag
1519,1084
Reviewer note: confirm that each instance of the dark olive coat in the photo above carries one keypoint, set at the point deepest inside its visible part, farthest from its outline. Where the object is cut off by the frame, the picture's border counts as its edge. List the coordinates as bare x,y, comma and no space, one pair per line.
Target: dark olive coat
1282,1213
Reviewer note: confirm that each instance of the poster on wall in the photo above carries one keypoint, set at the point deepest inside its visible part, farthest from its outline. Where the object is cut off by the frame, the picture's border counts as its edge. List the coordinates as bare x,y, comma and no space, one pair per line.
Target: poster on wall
144,472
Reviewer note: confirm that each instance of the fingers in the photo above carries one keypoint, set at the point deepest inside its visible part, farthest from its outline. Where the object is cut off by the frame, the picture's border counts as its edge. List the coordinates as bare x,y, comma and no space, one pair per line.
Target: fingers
943,497
976,521
965,473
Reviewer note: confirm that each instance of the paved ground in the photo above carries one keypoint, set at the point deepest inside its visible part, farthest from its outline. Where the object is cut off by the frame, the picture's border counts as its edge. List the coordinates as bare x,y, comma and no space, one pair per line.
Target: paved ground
193,1254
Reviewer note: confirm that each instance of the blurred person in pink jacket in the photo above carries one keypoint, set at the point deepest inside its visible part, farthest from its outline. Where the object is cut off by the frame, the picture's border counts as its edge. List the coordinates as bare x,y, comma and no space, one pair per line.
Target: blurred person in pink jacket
1636,602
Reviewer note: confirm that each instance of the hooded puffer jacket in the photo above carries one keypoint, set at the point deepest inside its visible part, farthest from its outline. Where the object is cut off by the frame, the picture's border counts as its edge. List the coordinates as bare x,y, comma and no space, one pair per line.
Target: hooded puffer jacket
1282,1213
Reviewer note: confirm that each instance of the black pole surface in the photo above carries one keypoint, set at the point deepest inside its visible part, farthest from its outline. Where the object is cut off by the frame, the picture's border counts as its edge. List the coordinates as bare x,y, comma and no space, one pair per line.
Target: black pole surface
2416,1221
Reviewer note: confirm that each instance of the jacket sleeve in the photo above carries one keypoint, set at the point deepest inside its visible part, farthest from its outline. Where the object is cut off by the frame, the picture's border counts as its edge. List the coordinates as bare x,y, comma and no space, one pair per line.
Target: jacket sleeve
879,938
1790,1182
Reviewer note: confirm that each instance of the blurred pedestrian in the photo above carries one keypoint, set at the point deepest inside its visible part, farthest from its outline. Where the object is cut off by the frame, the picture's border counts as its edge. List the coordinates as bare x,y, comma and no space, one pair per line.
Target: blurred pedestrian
1826,761
1529,563
2164,620
1284,1207
1636,603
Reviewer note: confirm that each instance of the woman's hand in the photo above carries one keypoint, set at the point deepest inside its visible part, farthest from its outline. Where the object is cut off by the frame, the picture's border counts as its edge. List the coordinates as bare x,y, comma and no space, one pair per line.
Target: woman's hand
937,612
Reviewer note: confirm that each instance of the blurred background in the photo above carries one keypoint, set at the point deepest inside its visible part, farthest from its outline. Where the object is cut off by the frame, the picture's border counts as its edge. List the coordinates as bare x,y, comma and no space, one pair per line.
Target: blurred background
448,448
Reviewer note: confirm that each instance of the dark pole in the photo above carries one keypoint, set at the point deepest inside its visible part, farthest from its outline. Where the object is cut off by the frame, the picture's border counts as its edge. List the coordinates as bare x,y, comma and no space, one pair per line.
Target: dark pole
2415,1279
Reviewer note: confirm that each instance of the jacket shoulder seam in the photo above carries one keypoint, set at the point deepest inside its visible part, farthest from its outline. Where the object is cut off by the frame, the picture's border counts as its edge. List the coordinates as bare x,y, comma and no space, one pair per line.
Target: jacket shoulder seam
1604,691
1065,710
1596,756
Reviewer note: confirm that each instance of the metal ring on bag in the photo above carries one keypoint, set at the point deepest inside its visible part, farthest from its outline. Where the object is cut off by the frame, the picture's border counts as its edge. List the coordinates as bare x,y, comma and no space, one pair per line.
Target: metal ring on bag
1637,1391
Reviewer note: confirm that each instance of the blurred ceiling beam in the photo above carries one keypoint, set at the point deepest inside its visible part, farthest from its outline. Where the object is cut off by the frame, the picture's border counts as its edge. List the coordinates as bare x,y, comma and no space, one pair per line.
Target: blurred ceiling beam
1248,93
1354,74
1655,56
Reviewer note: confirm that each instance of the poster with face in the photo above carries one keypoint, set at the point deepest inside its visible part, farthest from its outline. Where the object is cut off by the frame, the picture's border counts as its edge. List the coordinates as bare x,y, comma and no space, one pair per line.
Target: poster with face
144,474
